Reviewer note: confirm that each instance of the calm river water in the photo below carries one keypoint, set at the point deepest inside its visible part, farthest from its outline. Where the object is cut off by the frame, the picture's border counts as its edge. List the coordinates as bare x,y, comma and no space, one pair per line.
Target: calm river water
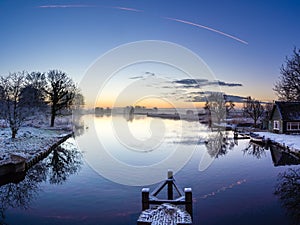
99,180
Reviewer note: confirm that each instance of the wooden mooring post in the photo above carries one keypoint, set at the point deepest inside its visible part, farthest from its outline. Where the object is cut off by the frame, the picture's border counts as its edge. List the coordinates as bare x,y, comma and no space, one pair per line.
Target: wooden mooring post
148,199
145,198
170,182
189,201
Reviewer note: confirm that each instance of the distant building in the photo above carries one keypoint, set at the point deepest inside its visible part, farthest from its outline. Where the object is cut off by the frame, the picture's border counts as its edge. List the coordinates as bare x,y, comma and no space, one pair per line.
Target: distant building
285,118
99,110
190,112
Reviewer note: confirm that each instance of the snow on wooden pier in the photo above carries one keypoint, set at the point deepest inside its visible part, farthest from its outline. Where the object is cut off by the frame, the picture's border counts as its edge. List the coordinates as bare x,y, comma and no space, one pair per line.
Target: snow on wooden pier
165,214
166,211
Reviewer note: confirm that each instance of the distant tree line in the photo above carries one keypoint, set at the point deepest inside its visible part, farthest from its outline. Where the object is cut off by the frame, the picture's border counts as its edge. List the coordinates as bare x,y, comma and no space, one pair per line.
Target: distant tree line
23,94
218,107
253,109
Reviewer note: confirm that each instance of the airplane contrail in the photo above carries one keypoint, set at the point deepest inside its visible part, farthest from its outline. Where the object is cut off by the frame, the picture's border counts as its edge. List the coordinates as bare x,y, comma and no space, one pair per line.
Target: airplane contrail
66,6
207,28
126,9
90,6
138,10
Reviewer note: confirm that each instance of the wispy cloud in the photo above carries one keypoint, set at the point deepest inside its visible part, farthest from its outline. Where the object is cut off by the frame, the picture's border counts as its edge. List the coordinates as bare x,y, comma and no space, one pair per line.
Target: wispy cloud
136,77
198,83
222,83
207,28
147,74
203,96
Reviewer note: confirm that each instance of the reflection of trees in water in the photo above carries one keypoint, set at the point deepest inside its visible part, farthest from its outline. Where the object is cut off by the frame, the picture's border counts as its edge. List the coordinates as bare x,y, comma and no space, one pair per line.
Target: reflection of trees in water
255,150
128,117
62,163
57,167
218,144
288,191
20,195
128,113
78,125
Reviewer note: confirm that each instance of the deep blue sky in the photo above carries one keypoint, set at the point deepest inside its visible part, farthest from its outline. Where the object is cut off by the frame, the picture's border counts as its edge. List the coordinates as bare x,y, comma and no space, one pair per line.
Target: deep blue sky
71,38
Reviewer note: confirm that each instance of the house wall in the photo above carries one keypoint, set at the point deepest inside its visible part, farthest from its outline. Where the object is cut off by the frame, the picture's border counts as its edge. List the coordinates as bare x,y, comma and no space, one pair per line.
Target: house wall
283,127
290,131
276,116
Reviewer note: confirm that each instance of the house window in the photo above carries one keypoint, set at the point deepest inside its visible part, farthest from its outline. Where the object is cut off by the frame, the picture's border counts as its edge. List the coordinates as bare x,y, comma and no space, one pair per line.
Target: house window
293,126
276,125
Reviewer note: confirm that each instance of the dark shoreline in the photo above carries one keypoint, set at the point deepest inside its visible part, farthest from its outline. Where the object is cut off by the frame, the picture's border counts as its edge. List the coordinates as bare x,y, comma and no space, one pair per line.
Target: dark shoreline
15,169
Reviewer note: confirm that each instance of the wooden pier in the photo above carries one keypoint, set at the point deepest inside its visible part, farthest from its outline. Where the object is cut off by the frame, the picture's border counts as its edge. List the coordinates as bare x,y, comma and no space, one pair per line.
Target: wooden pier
166,211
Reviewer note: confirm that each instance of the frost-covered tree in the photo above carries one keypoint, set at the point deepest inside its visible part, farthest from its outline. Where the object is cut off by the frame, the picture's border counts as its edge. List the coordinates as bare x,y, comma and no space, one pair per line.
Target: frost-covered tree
32,94
13,109
60,92
254,109
216,106
288,86
78,102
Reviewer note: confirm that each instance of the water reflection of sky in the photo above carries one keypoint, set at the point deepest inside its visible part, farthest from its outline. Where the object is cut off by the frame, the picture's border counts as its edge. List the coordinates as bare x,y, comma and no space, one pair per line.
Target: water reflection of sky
237,188
147,141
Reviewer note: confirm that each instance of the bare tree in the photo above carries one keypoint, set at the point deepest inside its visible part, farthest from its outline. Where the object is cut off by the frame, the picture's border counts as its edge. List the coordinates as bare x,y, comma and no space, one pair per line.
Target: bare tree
12,86
254,109
288,86
32,94
60,91
78,101
216,106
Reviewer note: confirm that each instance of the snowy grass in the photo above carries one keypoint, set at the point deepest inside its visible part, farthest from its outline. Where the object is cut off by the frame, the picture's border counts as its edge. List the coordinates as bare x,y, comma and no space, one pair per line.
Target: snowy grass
33,138
291,141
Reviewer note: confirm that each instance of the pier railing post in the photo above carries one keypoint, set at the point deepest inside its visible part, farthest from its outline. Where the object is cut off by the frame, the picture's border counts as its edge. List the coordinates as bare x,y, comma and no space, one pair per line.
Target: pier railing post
189,201
145,198
170,185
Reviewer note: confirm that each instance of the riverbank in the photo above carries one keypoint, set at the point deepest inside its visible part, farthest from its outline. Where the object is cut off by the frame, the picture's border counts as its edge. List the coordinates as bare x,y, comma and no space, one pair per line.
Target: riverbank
30,146
292,142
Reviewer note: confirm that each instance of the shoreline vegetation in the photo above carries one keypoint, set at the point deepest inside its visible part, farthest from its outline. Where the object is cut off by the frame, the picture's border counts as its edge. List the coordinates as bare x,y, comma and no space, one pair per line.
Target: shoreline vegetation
32,144
36,140
29,101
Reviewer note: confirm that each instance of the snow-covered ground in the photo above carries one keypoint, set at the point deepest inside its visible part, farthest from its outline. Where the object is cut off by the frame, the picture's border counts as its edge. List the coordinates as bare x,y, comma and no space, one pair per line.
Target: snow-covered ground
292,141
29,142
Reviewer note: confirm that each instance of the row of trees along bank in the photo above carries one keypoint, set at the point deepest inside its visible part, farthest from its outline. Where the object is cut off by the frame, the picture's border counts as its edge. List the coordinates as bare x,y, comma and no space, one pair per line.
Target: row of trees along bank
287,89
23,94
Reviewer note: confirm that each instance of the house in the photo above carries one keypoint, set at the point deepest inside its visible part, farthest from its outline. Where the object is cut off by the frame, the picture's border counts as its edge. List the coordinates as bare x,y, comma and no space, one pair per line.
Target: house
285,118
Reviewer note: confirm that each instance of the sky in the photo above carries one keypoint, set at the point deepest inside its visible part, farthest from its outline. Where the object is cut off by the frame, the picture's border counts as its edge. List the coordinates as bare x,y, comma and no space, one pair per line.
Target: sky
244,43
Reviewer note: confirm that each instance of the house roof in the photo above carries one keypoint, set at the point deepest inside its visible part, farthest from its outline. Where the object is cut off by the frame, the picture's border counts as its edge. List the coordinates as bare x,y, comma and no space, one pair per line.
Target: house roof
289,111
